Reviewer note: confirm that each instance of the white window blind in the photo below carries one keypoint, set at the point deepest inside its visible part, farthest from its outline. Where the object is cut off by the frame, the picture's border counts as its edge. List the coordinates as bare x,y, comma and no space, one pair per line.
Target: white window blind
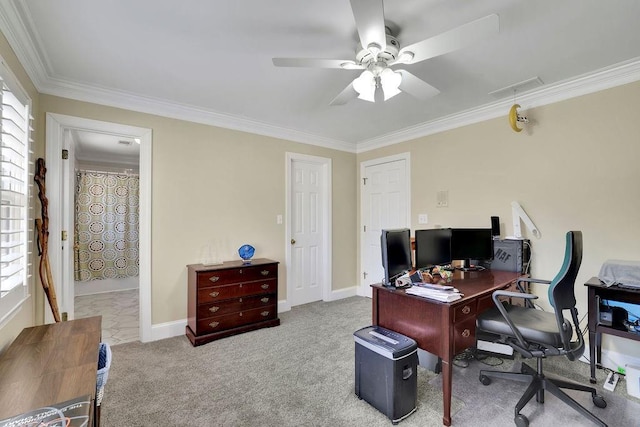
16,173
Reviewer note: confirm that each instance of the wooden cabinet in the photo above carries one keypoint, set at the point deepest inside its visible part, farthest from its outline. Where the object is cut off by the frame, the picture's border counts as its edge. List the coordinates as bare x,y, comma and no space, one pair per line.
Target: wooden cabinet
230,299
49,364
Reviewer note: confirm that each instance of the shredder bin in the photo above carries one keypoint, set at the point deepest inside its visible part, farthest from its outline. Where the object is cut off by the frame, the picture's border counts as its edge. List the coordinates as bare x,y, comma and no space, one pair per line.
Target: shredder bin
386,365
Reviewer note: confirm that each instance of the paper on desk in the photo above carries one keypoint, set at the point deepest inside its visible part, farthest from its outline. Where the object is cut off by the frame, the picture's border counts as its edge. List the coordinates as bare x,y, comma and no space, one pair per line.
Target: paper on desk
444,296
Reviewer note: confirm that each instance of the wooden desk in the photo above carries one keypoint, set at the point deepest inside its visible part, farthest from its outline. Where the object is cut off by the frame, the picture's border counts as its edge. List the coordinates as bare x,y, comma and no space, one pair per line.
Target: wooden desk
598,291
50,364
443,329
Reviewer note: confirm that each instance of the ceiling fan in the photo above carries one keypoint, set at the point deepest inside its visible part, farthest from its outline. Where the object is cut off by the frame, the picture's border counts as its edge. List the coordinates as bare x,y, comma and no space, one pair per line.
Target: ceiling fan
379,50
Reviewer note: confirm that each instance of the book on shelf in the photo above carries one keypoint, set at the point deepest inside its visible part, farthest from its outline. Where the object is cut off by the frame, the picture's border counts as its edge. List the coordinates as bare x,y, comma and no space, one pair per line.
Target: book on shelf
71,413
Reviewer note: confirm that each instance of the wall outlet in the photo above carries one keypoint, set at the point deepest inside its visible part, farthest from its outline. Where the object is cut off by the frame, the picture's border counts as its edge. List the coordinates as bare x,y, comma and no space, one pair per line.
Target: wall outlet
423,219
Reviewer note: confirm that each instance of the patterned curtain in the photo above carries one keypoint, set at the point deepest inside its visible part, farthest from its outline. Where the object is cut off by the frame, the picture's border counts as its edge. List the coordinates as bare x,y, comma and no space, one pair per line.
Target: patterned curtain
106,226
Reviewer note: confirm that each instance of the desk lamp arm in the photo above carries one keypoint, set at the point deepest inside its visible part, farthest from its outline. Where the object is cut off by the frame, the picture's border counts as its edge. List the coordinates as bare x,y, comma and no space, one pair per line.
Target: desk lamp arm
517,214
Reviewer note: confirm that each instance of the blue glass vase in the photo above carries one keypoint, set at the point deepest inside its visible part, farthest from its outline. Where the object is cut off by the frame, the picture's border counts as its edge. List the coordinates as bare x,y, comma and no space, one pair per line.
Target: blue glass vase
246,253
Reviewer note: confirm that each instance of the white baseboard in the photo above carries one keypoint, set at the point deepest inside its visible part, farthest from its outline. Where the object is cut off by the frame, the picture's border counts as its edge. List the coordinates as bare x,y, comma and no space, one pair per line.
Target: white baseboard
176,328
342,293
94,287
613,360
168,329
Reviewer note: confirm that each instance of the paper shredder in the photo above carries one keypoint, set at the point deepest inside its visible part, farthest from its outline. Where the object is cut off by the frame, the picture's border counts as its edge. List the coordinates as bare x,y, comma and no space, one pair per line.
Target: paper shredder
386,371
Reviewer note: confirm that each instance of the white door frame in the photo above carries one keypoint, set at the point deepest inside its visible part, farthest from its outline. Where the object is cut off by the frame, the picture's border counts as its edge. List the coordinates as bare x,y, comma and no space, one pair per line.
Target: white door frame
56,125
363,289
326,224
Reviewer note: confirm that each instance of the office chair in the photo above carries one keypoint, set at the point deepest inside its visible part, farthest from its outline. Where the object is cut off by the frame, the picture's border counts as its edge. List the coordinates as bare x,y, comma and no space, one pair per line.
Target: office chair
536,333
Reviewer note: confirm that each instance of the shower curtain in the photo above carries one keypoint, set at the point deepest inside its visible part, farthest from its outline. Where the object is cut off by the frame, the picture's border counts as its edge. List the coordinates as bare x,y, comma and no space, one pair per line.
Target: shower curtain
106,226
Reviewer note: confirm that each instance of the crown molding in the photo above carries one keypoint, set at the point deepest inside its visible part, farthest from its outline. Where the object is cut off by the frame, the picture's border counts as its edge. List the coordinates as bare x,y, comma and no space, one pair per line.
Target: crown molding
606,78
13,13
160,107
20,39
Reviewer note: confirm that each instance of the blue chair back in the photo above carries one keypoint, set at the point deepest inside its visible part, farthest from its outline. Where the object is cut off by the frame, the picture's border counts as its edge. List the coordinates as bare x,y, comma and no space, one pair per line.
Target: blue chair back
561,290
562,296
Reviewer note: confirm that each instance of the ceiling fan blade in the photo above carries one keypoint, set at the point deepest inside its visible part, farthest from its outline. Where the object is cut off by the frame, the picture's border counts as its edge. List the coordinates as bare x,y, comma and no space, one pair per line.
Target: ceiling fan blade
369,16
345,96
315,63
415,86
454,39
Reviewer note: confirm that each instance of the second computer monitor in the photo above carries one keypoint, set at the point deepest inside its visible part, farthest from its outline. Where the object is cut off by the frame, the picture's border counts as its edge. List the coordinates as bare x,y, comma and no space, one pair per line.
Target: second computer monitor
433,247
471,244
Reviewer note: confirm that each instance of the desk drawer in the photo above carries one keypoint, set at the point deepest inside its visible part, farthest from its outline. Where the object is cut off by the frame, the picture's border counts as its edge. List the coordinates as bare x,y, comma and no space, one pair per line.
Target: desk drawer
232,320
235,305
464,311
244,274
219,293
464,335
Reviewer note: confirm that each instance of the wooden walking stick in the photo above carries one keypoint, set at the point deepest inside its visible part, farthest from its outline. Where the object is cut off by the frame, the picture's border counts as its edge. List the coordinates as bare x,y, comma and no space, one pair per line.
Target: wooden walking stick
42,227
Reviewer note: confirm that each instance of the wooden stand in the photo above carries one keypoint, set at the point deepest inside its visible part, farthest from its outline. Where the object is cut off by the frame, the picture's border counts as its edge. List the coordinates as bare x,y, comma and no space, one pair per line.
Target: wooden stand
230,299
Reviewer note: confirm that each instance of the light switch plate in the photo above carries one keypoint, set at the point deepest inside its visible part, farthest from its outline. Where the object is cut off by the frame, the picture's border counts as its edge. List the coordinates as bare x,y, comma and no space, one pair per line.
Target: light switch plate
423,219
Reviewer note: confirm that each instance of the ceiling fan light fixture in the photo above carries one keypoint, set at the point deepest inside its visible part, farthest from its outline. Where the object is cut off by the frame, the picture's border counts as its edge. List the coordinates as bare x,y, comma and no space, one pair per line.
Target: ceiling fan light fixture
390,82
405,57
365,85
374,48
350,65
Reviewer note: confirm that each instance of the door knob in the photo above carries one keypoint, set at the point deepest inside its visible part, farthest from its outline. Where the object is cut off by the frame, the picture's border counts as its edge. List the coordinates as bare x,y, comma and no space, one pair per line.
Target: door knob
293,241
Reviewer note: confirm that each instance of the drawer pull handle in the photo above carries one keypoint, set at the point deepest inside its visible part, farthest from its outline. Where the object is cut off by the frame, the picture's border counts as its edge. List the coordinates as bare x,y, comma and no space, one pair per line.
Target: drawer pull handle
240,314
265,300
265,286
214,294
214,309
466,309
214,324
265,272
264,313
240,300
214,279
466,333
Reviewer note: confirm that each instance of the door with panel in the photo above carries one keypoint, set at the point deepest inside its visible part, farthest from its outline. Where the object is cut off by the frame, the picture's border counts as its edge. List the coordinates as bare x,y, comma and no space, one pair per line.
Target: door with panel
385,204
307,232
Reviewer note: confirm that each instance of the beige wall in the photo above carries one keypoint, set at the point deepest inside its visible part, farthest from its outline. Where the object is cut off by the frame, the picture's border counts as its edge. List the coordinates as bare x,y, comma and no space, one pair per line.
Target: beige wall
213,183
575,167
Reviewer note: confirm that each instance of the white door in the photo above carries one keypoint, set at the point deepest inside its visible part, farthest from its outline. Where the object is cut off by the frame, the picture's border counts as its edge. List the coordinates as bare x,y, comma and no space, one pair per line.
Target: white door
307,278
385,204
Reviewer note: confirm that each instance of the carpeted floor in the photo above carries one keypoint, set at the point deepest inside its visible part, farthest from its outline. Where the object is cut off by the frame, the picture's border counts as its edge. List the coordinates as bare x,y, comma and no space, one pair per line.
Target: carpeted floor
301,373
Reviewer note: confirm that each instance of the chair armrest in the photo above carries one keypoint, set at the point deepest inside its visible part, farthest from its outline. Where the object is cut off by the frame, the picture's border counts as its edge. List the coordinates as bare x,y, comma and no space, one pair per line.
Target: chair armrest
502,293
531,280
503,311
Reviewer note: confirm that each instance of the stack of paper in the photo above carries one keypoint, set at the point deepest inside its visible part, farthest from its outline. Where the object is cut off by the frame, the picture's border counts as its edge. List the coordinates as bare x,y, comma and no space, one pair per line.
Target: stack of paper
436,294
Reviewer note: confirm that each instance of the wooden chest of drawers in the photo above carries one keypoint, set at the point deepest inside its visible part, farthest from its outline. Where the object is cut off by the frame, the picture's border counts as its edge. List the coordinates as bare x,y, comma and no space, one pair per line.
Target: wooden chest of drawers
230,299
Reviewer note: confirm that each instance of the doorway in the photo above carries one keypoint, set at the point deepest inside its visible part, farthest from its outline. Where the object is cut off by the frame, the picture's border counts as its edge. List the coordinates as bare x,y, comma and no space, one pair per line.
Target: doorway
308,228
60,188
385,201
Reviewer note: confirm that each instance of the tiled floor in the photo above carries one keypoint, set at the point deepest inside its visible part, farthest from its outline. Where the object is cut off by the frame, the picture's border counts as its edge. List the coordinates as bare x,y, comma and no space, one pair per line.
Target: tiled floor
119,311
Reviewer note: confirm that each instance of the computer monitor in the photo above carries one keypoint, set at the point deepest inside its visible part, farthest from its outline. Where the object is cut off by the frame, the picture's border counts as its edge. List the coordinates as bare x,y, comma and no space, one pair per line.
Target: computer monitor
471,244
433,247
396,253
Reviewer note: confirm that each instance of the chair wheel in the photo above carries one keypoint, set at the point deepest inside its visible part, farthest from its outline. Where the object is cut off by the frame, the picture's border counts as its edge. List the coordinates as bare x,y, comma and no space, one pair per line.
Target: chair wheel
485,380
521,421
599,401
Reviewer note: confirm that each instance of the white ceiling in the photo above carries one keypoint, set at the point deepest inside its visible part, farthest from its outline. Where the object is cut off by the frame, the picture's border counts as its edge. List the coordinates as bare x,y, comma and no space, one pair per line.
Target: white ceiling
210,62
107,149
